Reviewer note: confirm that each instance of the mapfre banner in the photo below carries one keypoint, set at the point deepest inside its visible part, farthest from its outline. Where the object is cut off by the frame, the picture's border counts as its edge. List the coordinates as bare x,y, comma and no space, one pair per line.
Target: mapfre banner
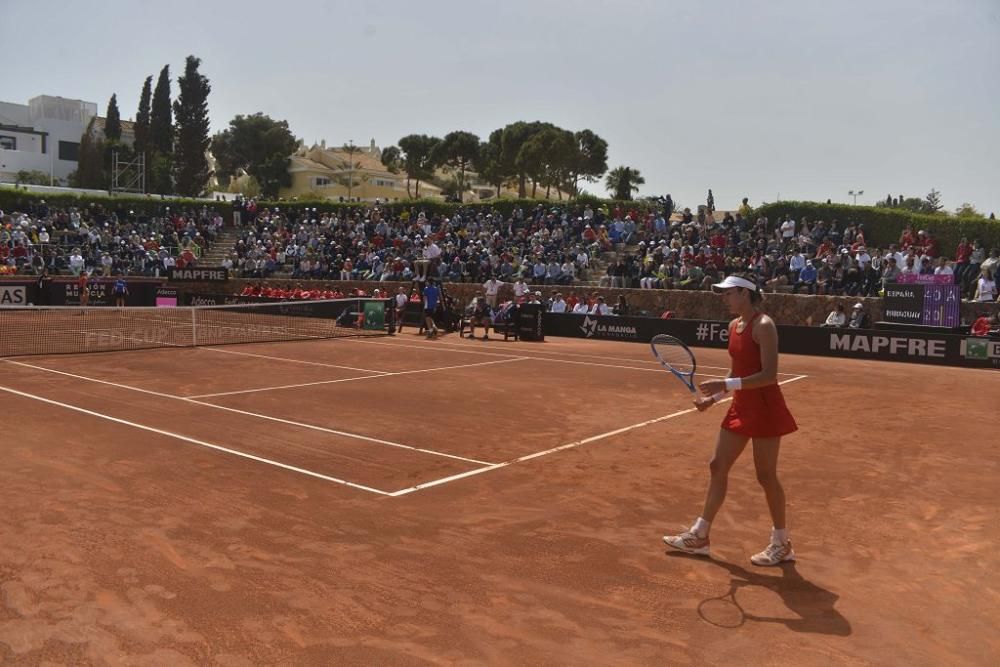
199,275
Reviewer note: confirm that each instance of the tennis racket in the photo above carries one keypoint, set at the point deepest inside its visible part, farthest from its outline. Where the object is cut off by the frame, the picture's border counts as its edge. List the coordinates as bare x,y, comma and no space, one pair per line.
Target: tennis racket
676,357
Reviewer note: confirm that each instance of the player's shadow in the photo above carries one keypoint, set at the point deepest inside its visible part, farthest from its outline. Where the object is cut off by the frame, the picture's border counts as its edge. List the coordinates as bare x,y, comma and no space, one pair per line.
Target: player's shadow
814,606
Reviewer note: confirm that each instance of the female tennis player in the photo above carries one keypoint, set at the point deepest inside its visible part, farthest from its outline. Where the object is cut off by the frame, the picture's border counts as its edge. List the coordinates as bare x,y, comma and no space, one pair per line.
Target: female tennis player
757,412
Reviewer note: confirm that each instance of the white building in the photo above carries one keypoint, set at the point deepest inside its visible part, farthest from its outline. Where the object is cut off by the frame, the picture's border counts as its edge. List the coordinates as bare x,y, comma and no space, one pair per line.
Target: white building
42,135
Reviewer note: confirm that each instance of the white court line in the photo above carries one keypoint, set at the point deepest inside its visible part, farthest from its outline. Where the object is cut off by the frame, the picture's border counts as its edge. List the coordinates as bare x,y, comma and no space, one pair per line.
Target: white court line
631,368
589,356
430,348
360,377
296,361
200,443
569,445
312,427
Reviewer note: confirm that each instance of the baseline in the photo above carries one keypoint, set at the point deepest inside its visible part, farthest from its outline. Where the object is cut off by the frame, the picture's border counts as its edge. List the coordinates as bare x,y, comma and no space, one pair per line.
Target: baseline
431,348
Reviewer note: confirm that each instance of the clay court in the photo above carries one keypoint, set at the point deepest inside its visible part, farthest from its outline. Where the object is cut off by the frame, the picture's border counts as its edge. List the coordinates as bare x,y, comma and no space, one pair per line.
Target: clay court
398,501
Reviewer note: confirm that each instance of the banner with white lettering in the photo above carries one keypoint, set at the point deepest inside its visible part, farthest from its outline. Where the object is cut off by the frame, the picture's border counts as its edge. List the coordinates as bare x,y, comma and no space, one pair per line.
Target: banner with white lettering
199,275
885,345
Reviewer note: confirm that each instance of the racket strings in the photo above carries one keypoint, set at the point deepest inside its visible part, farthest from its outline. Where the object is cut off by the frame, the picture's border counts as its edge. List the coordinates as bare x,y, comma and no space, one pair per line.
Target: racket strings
675,355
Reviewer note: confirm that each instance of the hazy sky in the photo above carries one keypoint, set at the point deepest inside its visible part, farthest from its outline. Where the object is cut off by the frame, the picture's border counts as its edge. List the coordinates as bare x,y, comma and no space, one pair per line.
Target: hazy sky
799,98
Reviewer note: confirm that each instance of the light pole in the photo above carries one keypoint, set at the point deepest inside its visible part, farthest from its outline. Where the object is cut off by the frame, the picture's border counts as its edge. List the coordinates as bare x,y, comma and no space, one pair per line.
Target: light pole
855,194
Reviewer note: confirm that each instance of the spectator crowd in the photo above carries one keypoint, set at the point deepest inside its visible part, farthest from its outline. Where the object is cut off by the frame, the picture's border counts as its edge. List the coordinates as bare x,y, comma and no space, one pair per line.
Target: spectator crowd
543,245
102,240
556,246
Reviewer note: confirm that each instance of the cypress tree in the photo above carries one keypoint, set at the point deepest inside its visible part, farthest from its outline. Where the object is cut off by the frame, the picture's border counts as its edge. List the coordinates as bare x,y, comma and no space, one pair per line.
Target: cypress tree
161,128
191,113
161,136
142,118
113,121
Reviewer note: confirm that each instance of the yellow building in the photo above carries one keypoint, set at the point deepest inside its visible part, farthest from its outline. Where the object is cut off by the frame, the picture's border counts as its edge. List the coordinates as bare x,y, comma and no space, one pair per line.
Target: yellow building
320,172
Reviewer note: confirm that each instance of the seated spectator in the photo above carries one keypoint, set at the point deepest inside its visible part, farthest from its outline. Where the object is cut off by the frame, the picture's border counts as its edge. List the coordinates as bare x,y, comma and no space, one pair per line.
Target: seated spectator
986,288
796,263
480,314
890,272
571,302
981,327
691,276
600,308
621,308
853,276
558,304
807,279
836,318
943,268
779,275
859,318
909,265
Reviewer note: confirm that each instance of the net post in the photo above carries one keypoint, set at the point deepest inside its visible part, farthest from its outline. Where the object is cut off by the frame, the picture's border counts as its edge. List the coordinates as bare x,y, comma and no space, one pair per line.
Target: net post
194,327
390,320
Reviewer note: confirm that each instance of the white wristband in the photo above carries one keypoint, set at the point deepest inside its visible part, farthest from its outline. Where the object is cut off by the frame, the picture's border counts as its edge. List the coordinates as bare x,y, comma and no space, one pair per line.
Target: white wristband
718,397
732,384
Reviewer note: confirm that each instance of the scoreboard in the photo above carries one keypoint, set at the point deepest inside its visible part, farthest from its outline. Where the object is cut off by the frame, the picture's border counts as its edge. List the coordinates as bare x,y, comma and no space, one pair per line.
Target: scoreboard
929,304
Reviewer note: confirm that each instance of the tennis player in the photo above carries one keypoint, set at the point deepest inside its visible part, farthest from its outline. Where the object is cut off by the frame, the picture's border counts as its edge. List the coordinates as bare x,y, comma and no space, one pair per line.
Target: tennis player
432,294
120,291
757,413
84,289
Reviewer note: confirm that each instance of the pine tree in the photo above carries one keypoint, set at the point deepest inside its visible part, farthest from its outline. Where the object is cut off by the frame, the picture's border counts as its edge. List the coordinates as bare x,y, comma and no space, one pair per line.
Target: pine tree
113,121
932,202
161,136
191,113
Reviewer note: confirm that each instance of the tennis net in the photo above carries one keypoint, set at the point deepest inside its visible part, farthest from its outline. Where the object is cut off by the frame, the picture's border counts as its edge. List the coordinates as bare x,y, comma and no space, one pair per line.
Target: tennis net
32,330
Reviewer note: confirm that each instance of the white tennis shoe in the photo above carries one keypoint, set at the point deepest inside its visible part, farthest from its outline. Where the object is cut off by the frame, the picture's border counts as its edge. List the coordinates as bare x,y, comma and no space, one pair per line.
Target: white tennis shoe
774,554
689,542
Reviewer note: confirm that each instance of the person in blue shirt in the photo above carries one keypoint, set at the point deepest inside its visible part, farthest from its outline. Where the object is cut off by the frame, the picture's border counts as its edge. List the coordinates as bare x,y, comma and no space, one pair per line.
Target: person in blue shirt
807,279
120,290
432,294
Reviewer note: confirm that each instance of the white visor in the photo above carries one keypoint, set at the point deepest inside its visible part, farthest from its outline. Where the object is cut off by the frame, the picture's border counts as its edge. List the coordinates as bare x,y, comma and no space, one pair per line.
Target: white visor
734,281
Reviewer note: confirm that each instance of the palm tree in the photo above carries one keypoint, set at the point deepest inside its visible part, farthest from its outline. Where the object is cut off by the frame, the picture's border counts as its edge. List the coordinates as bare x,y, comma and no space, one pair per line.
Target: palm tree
623,181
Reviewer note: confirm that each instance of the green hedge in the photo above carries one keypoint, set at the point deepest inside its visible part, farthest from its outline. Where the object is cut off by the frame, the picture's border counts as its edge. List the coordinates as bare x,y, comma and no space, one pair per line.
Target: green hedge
12,199
884,225
434,206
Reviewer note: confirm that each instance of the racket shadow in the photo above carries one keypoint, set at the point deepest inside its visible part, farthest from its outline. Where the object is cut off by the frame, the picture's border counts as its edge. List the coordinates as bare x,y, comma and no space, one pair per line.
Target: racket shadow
814,606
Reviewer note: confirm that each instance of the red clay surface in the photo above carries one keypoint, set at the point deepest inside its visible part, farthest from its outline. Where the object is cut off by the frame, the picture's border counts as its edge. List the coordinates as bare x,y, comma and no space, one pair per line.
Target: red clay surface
125,546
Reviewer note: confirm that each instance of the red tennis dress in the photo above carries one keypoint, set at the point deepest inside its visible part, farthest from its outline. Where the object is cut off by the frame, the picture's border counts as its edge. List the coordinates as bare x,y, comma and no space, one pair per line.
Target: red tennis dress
759,413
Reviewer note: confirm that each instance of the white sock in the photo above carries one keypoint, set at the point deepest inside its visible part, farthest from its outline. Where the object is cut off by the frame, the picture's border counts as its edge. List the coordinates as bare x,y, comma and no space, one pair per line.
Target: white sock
700,527
779,535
